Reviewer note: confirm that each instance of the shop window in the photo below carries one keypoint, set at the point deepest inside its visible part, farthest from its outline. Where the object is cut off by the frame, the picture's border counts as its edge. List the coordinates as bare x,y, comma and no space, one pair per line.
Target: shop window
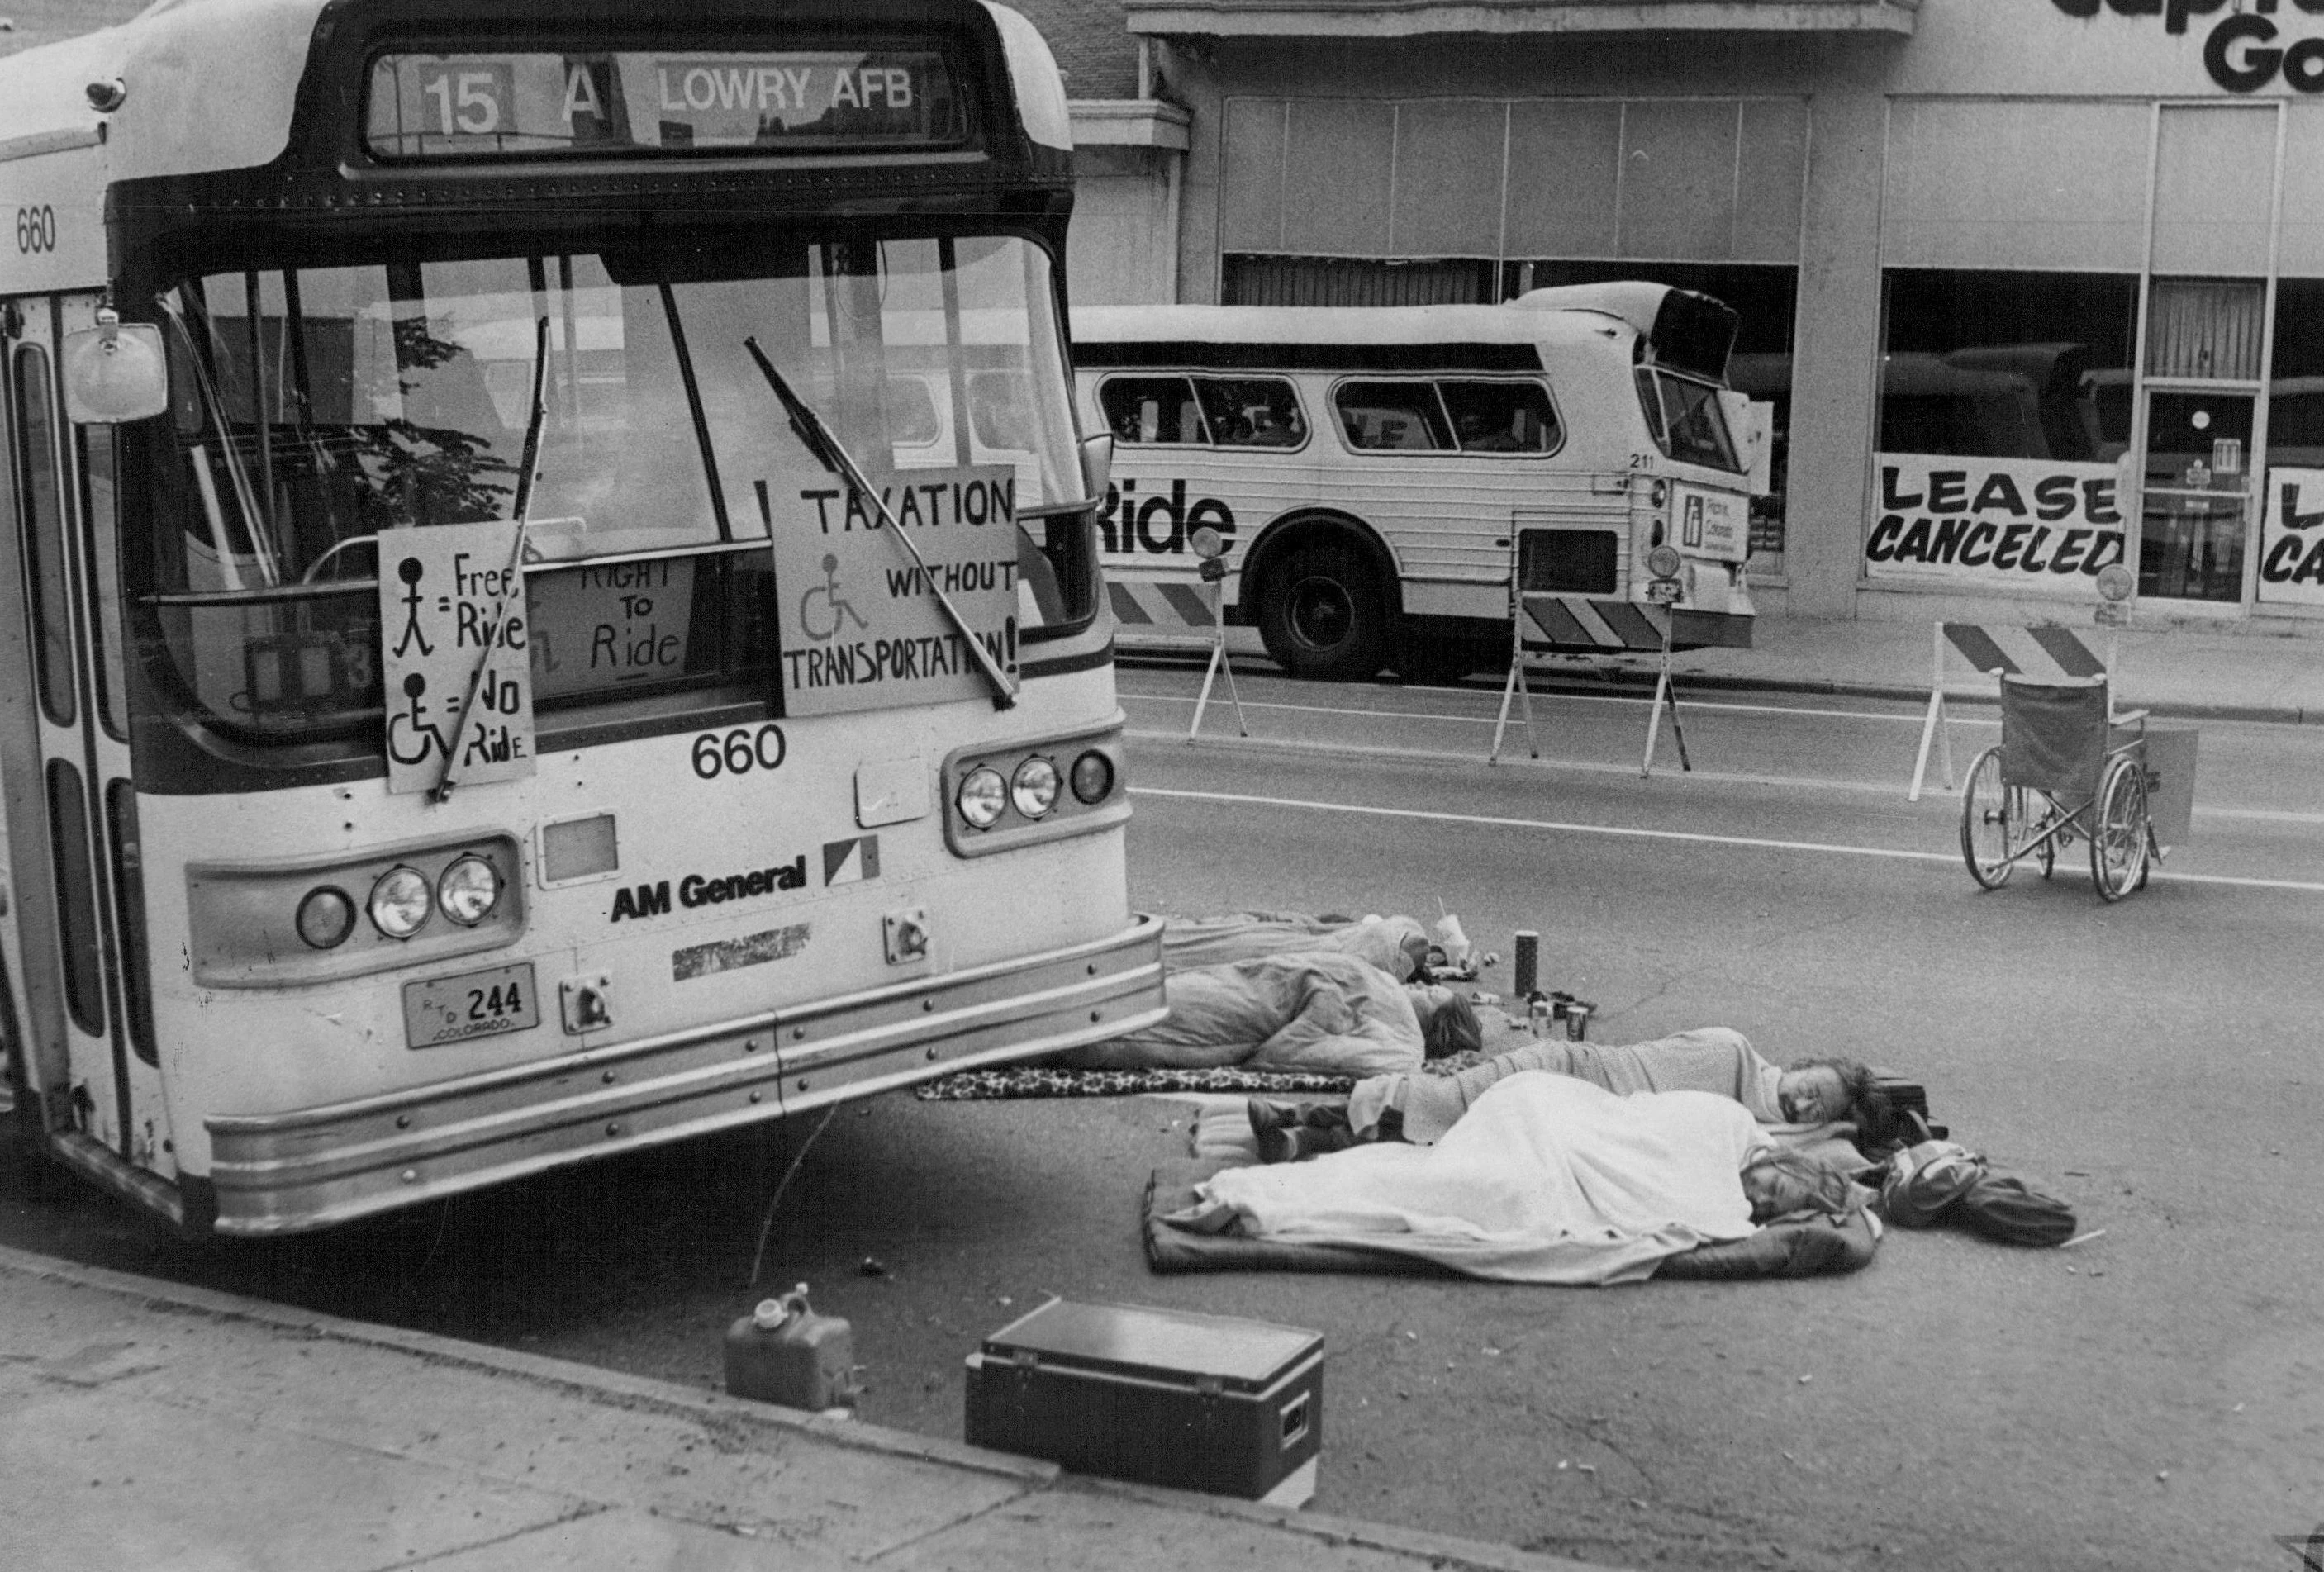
1331,280
1403,417
2007,365
1251,411
1148,409
2295,415
1501,417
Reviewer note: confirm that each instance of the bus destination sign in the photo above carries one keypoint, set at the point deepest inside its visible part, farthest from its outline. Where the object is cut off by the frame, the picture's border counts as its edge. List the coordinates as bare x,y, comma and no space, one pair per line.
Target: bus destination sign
529,105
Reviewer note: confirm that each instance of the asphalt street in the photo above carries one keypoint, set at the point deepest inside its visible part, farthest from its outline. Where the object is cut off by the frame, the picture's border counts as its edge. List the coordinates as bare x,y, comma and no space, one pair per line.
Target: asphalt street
2146,1399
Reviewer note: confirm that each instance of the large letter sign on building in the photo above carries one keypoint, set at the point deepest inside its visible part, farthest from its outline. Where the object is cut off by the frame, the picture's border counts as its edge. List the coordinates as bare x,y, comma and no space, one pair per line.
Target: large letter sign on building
861,627
2291,540
1998,520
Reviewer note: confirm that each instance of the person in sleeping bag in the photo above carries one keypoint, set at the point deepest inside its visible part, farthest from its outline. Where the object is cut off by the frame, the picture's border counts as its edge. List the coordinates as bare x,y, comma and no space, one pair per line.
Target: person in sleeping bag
1318,1011
1420,1109
1547,1178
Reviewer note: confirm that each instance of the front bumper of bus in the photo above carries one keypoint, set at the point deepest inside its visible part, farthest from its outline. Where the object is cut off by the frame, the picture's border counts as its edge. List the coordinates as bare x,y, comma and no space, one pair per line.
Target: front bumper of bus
277,1173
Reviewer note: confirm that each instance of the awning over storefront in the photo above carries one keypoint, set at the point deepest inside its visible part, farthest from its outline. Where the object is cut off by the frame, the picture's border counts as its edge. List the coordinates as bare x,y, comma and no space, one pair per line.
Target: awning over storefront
1409,18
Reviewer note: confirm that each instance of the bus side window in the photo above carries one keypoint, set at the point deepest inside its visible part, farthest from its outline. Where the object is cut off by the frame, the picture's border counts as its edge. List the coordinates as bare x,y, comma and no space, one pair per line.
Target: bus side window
1403,415
1501,417
1151,410
1251,412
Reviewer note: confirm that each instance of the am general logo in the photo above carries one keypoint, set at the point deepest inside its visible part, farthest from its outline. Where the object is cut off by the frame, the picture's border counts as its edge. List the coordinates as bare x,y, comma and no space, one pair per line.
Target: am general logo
2244,52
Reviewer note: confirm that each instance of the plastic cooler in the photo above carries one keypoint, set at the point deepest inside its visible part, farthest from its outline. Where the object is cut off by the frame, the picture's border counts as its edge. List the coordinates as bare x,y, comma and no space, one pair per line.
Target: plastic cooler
1154,1396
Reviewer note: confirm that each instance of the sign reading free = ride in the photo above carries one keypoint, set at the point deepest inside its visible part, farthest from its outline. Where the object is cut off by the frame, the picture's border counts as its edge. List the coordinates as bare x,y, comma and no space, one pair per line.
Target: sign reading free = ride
861,626
453,653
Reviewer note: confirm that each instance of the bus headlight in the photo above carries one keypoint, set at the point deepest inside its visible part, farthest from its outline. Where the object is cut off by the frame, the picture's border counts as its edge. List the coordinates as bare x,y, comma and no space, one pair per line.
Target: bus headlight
983,797
1092,776
1035,789
469,890
399,902
325,917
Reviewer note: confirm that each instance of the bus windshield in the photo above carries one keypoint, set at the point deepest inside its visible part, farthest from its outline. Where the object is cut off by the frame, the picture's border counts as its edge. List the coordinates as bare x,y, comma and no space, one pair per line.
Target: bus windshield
316,408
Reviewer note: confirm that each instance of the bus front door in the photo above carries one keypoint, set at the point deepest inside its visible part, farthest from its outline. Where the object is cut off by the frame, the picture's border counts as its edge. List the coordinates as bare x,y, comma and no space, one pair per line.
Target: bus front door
72,837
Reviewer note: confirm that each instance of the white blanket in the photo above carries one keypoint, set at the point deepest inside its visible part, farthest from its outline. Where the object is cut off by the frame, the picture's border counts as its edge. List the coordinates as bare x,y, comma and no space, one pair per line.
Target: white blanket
1548,1178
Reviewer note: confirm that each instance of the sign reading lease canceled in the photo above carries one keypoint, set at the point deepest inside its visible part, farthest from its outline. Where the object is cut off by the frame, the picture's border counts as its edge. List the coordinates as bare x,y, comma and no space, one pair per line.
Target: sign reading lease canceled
2026,521
862,628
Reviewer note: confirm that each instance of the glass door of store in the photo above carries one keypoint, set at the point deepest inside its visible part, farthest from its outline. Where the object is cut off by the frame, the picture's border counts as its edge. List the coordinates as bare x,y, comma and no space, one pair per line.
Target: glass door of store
2195,512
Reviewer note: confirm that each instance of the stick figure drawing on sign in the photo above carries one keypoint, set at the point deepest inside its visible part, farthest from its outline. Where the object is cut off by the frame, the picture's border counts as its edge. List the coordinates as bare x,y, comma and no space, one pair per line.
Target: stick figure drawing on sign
409,570
828,594
417,728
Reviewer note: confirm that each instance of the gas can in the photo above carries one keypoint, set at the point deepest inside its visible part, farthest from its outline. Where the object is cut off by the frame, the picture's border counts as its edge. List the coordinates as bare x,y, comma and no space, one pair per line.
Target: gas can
783,1352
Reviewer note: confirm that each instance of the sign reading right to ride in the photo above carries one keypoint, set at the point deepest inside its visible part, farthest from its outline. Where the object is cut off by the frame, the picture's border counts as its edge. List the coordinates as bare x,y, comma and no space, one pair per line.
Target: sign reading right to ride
862,627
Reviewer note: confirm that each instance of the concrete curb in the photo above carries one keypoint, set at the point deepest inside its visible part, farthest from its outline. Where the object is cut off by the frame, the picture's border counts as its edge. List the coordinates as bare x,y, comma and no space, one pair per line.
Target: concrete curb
589,1384
586,1380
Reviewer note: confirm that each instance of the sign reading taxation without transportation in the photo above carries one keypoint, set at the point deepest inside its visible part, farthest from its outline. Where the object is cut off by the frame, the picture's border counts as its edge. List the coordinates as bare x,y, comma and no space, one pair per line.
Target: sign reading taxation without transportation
2037,523
452,622
860,628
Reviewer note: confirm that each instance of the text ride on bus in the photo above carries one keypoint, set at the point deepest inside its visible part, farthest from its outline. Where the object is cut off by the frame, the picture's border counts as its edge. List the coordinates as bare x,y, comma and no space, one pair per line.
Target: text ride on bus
1371,469
463,717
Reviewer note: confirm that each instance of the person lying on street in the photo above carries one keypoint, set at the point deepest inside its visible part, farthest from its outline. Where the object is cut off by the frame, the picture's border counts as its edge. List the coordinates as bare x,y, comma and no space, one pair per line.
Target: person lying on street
1548,1178
1398,945
1419,1109
1314,1010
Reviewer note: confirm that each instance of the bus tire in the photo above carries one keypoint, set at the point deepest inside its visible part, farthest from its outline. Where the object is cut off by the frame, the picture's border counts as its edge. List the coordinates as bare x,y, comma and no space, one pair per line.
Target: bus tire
1324,614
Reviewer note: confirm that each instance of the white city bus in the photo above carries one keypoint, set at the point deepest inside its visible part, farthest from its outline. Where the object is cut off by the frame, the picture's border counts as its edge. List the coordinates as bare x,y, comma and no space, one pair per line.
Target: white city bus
456,719
1373,471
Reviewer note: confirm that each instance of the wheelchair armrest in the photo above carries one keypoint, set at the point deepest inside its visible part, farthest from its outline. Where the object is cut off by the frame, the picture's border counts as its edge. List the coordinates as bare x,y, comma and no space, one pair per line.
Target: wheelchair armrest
2128,718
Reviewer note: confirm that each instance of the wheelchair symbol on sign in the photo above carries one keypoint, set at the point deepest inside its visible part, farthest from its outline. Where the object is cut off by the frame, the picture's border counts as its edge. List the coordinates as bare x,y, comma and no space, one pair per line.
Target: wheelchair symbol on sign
835,605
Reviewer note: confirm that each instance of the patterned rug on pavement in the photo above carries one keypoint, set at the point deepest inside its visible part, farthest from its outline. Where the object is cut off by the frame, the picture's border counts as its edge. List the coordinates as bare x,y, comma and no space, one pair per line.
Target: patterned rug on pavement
1050,1080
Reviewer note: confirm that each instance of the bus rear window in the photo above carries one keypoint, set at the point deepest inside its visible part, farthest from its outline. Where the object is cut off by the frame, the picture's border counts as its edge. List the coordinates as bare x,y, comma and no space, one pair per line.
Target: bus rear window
1687,423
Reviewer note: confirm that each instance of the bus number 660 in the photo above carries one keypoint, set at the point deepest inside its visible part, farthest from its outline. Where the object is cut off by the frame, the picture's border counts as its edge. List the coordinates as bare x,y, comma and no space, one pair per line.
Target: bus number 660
739,751
36,230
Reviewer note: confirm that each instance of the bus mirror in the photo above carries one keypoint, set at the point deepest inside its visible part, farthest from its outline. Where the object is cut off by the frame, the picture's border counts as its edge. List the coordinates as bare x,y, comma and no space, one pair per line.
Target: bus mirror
1097,466
114,373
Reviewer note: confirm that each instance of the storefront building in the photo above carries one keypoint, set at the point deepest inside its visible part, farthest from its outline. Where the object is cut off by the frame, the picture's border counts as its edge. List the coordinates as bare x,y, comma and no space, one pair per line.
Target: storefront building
2034,285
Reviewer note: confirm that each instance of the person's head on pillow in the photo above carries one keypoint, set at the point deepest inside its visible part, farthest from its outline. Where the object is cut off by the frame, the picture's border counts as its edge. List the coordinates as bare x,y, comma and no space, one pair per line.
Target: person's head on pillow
1819,1091
1779,1181
1448,1022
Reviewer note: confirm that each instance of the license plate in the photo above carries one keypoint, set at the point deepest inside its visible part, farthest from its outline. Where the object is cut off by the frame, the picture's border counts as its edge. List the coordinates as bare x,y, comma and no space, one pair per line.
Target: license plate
475,1004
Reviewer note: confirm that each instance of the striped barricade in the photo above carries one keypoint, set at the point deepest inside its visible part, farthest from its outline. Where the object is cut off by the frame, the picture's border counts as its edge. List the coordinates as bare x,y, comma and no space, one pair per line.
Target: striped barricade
1585,624
1174,609
2046,652
1567,623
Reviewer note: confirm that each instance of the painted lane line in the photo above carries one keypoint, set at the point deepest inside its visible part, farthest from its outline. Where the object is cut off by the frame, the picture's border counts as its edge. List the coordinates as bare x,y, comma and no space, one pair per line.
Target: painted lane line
1883,787
1692,704
1629,833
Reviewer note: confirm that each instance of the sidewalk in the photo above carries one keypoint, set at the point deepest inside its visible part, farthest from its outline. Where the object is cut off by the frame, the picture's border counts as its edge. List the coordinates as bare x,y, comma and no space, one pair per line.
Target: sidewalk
146,1427
2178,671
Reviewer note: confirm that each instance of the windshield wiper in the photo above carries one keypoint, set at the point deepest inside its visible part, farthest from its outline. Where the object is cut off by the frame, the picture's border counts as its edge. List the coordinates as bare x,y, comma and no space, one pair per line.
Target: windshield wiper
513,583
823,443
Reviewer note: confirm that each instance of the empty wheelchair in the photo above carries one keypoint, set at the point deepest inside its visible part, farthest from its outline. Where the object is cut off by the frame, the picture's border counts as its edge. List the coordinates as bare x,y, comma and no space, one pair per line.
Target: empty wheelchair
2067,767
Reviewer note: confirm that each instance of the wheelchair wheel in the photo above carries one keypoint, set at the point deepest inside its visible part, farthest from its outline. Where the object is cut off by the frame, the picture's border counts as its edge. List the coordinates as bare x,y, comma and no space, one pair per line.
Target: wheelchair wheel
2118,830
1991,825
2024,826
